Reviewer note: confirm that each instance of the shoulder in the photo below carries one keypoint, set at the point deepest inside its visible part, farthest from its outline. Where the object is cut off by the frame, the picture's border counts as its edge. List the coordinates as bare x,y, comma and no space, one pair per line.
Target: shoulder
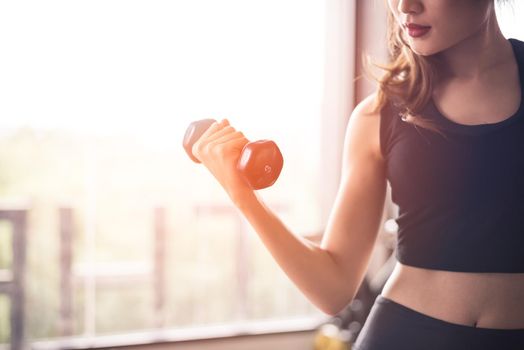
365,107
364,128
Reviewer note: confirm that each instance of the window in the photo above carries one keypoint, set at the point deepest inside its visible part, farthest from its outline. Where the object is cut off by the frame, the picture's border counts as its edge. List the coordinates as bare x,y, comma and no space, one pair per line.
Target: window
509,14
95,98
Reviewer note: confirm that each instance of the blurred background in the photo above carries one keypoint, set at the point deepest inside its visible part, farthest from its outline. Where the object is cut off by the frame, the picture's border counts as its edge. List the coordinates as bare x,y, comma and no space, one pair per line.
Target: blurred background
107,228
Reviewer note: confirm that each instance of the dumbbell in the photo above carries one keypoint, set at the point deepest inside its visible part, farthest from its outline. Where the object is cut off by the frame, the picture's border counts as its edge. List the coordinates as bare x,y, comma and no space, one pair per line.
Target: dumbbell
260,161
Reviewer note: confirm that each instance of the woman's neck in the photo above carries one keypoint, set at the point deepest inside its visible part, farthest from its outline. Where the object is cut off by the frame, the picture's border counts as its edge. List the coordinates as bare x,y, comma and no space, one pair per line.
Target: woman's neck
477,55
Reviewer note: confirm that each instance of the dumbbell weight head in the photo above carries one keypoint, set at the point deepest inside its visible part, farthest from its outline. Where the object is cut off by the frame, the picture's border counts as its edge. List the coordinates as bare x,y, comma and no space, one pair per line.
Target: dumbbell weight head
193,133
261,163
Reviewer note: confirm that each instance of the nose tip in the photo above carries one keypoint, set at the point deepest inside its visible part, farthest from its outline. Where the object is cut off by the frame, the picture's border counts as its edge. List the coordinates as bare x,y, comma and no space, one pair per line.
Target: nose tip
410,6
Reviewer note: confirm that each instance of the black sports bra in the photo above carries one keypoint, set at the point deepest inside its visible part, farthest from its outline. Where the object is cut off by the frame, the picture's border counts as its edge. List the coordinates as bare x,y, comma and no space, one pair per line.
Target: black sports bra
460,197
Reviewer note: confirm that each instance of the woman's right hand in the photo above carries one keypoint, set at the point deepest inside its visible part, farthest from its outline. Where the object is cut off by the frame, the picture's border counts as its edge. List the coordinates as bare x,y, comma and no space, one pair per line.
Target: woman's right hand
219,149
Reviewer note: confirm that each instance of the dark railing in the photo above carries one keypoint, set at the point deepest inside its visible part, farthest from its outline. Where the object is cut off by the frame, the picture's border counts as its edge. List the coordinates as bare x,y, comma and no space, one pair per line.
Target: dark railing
68,278
12,280
66,260
159,271
157,275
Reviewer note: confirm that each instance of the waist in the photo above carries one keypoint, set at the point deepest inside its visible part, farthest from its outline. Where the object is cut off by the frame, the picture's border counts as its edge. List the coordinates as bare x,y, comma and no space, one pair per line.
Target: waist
489,300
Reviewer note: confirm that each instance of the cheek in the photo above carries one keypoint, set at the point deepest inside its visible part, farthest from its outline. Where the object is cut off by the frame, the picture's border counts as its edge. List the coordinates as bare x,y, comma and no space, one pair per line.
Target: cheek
461,19
452,32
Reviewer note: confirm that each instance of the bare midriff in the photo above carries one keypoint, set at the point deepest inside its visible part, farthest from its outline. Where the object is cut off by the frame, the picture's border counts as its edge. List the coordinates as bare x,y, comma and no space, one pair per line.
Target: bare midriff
484,300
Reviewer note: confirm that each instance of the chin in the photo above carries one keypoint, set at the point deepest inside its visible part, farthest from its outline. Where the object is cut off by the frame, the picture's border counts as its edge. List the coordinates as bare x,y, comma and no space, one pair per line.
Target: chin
424,51
426,48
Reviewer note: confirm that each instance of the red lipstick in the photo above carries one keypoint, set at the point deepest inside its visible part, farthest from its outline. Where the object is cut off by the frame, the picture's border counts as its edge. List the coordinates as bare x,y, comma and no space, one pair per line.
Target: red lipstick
416,30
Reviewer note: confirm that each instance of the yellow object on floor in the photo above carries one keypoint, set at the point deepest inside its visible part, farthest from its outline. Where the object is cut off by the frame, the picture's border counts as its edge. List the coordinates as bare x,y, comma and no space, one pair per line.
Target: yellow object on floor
330,337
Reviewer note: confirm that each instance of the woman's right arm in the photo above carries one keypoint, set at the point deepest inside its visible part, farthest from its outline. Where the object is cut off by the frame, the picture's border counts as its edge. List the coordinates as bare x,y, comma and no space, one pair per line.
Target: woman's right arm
330,273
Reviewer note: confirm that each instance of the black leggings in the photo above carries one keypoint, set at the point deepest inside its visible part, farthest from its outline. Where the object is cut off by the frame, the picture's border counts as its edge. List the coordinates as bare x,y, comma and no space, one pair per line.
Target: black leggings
393,326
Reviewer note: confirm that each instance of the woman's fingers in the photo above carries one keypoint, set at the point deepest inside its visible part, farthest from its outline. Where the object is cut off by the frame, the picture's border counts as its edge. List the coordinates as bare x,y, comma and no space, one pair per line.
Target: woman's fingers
227,137
225,145
205,137
218,134
213,128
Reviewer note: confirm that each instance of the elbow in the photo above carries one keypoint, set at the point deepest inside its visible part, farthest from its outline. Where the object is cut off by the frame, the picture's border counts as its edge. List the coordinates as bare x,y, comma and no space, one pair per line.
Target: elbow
335,308
337,293
330,312
333,311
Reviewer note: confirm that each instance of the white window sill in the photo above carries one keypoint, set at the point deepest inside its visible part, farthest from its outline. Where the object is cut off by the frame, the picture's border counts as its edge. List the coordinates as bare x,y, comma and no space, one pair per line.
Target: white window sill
150,337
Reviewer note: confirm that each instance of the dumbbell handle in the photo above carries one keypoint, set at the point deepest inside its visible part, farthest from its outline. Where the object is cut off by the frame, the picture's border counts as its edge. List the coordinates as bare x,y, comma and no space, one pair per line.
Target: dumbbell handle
260,161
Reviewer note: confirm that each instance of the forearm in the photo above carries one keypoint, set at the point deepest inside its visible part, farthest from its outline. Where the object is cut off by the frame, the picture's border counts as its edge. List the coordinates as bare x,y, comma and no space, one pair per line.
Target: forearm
311,268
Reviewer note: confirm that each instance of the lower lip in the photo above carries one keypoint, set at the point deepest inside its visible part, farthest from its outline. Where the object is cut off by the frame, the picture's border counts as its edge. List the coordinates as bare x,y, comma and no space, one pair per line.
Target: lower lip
418,32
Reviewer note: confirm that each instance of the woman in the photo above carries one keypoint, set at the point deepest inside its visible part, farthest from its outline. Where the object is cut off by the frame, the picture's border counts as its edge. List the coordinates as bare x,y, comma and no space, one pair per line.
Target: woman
446,128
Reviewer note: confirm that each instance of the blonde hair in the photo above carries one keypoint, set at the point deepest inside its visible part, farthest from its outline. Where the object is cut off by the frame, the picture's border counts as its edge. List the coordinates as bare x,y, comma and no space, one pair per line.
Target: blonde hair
407,81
